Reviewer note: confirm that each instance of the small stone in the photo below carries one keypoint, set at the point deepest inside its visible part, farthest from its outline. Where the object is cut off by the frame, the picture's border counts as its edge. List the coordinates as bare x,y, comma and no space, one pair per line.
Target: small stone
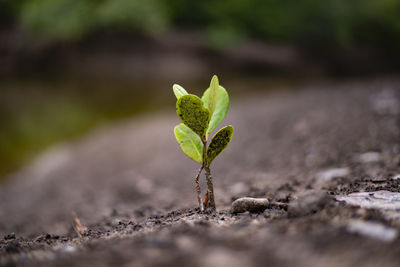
308,202
10,236
374,230
333,173
253,205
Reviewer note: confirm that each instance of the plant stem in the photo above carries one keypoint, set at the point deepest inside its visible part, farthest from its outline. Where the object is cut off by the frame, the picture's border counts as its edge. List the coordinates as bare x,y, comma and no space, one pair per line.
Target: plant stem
197,186
210,188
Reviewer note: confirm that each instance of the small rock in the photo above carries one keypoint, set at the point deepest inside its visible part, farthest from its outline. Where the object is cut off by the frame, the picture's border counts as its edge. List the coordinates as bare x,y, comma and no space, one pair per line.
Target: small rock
10,236
253,205
330,174
370,157
308,202
372,230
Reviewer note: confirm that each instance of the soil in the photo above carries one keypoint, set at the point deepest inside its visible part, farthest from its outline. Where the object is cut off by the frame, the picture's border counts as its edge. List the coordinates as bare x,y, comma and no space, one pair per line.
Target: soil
133,189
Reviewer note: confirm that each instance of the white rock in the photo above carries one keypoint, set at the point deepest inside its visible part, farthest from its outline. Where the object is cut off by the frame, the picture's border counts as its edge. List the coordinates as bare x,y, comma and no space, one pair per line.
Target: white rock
372,230
330,174
383,200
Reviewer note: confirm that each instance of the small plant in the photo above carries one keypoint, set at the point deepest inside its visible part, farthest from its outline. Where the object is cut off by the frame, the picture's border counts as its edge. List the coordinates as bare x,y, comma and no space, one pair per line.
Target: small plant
200,116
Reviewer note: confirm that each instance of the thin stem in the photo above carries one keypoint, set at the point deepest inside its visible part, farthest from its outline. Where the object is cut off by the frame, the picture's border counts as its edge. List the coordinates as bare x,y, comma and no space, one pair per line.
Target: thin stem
197,187
210,188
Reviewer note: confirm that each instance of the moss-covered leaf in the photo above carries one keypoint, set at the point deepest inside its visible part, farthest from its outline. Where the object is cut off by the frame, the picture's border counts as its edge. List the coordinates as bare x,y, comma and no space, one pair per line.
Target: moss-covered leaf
190,142
179,91
219,142
192,113
219,96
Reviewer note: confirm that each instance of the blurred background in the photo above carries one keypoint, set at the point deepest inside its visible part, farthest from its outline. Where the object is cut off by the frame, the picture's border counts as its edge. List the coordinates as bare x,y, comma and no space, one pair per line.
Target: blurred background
68,66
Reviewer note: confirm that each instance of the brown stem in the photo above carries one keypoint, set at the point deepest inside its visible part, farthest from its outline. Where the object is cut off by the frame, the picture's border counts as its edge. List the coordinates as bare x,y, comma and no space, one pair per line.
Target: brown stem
210,188
197,187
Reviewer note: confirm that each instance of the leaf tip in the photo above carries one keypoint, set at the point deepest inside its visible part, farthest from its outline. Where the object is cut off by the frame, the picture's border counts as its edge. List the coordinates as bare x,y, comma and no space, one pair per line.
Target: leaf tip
214,80
179,91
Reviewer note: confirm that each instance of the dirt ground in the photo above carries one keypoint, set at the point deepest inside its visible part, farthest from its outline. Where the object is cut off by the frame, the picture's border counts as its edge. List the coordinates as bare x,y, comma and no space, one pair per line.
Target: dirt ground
132,187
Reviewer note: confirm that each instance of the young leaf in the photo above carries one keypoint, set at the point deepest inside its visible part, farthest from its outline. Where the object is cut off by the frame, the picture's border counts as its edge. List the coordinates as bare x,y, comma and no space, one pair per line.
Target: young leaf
190,142
221,106
179,91
192,113
213,94
219,142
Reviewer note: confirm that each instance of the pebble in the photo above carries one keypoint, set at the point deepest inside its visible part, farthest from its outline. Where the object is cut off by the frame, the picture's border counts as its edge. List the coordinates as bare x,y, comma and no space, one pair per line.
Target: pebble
308,202
374,230
330,174
253,205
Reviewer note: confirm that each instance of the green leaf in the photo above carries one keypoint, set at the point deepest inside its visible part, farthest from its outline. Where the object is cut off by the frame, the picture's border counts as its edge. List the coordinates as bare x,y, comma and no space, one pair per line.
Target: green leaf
219,142
190,142
179,91
221,106
212,95
192,113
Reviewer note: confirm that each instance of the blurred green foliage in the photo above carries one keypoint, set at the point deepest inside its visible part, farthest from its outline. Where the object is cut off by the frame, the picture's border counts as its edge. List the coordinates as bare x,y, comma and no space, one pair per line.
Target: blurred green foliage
338,23
71,19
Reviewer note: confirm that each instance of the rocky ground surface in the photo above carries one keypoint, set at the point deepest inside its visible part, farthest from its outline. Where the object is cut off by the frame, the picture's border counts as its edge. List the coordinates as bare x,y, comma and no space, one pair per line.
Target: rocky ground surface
307,151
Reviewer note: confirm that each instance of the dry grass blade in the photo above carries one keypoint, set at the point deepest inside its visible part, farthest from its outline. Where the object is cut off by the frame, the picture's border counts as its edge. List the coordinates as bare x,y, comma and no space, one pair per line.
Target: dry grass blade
78,227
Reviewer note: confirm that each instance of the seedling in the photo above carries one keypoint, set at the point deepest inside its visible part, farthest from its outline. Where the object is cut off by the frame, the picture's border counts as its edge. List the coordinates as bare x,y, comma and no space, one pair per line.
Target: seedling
200,116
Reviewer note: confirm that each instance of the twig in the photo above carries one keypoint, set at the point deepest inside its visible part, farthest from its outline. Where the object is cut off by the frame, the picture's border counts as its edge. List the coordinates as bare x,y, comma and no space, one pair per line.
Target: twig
78,227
